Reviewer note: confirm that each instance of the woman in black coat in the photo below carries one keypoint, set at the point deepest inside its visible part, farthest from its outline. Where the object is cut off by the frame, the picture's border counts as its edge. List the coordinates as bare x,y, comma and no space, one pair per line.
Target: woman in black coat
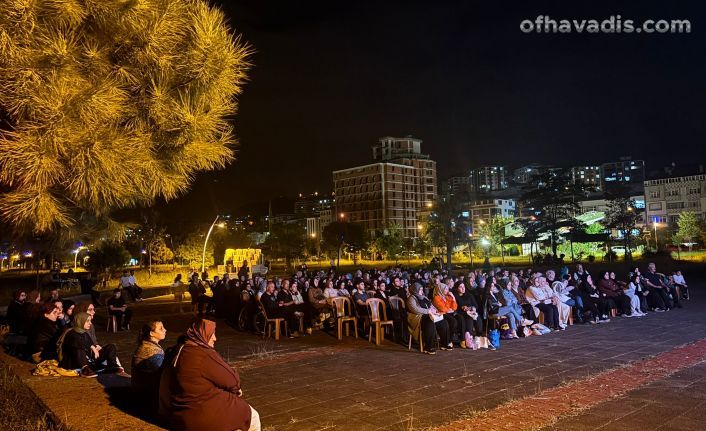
79,352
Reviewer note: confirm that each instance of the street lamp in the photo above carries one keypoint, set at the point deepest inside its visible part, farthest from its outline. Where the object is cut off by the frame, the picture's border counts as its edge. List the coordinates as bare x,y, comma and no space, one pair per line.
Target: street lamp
655,224
203,255
342,216
76,252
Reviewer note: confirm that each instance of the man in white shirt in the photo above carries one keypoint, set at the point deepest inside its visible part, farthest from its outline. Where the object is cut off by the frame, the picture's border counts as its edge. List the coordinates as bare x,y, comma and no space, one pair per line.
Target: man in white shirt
128,284
679,281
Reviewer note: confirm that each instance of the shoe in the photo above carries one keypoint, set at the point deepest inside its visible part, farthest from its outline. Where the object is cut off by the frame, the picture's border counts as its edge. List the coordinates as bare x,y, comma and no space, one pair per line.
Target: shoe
491,347
629,315
308,331
660,310
562,327
606,320
88,373
463,344
114,370
430,352
593,321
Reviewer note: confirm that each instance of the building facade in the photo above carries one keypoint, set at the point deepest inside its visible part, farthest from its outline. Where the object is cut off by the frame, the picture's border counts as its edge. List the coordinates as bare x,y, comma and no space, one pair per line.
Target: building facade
666,198
488,179
587,176
624,171
482,211
392,191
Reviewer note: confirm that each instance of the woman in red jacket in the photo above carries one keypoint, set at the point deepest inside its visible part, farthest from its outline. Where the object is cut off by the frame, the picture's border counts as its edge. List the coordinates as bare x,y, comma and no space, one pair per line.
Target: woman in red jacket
200,391
445,303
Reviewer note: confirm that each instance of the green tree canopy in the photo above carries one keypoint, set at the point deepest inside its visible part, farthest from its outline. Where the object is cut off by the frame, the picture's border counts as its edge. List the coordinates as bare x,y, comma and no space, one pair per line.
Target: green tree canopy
111,104
688,228
623,216
107,255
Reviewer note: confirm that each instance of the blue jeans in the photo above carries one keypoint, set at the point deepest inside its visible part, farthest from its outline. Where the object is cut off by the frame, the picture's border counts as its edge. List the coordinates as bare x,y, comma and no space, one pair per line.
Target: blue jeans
514,317
575,302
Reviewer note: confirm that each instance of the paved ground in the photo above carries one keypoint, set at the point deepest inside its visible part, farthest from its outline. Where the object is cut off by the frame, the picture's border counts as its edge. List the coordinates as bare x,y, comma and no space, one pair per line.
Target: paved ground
317,382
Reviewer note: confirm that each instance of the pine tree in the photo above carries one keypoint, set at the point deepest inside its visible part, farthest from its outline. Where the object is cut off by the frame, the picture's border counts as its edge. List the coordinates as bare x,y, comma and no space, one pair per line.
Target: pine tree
107,104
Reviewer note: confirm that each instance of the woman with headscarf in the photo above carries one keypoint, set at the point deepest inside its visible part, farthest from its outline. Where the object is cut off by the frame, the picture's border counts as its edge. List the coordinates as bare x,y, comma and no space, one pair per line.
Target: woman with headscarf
66,319
200,391
422,315
79,352
146,366
445,303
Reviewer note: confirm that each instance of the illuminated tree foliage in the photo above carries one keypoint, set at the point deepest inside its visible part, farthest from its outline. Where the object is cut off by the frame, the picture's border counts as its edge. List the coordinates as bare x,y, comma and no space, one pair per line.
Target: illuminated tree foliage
107,104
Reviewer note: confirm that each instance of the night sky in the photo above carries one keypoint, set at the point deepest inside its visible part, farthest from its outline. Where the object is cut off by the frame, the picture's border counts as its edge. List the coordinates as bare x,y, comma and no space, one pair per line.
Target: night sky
330,78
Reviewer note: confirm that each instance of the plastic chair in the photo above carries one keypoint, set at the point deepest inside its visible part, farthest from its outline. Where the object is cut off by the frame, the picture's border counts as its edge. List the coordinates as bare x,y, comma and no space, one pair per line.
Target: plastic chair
339,304
275,322
374,305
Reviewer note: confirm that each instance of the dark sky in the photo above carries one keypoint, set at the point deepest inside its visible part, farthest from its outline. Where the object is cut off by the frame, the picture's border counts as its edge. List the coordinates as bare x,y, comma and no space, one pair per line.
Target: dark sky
329,78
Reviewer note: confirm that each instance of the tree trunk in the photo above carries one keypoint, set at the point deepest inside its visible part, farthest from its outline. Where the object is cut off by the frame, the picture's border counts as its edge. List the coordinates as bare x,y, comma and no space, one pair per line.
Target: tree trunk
449,252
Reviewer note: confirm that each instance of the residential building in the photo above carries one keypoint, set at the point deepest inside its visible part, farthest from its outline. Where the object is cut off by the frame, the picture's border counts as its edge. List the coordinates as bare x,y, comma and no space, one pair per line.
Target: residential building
489,179
624,171
392,191
457,184
312,204
482,211
587,176
666,198
526,174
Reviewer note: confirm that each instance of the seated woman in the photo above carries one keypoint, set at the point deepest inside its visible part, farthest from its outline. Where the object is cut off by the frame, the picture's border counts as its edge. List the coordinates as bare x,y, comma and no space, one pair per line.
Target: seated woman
200,391
65,321
543,298
519,292
593,300
445,303
422,315
568,296
496,307
79,353
632,292
614,294
330,292
467,318
343,289
146,365
45,334
641,290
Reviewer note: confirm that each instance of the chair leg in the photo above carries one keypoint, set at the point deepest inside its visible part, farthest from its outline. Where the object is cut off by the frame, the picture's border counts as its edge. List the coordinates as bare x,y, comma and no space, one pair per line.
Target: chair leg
277,329
355,328
340,329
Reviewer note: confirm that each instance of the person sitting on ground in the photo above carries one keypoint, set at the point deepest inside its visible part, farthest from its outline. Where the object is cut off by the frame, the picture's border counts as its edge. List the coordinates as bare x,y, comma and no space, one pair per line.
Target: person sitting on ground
614,294
14,312
200,391
543,298
445,303
45,334
65,321
118,308
79,353
53,295
631,292
422,316
146,365
468,321
678,280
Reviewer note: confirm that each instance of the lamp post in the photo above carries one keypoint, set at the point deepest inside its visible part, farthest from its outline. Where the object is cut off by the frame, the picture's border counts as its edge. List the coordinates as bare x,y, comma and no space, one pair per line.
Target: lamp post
76,252
655,224
203,255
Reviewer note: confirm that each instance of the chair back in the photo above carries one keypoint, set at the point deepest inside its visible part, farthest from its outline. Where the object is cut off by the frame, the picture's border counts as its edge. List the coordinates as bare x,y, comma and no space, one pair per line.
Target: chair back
374,305
370,293
396,303
261,307
339,305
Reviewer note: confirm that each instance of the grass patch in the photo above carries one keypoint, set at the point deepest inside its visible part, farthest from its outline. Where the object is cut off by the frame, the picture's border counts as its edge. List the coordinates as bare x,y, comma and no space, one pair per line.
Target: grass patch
19,408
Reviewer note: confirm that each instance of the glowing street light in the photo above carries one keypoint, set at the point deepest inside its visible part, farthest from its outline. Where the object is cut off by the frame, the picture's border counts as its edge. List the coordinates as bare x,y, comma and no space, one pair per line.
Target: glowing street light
76,252
342,216
203,255
655,224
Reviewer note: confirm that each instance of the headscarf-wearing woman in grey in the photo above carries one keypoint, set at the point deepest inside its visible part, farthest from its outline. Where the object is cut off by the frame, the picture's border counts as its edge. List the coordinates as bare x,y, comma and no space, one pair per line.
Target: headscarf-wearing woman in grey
84,307
420,313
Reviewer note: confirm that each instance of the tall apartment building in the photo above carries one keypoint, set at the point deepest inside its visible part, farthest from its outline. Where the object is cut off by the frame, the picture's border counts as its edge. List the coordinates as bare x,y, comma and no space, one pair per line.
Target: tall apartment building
587,176
391,191
624,171
666,198
457,184
526,174
485,210
489,179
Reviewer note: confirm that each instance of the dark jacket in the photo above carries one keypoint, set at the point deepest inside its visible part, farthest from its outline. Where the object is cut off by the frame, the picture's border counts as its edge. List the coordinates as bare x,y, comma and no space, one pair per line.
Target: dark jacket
610,288
200,393
44,338
75,350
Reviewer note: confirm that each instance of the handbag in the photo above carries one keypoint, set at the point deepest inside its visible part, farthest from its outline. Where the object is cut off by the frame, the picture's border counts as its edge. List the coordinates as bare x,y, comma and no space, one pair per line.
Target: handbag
494,338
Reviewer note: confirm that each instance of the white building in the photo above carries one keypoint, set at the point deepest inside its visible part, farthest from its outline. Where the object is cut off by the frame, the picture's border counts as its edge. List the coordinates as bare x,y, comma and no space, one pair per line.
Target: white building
666,198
